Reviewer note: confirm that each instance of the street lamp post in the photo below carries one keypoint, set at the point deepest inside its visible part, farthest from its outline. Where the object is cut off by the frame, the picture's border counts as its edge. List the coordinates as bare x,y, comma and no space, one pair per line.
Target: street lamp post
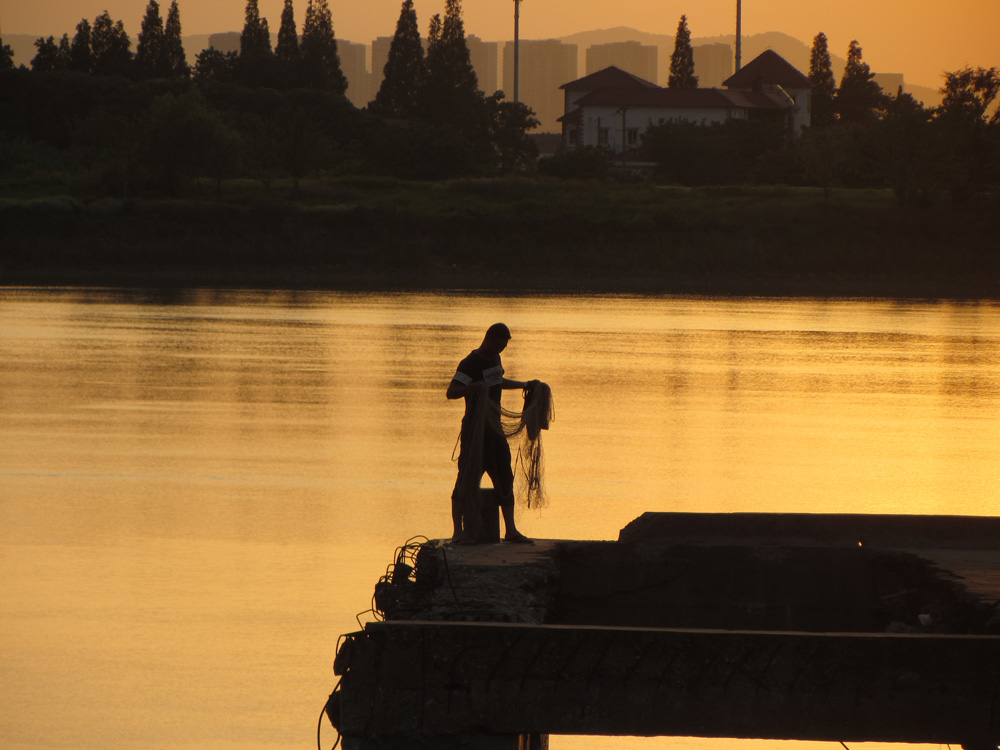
739,34
517,21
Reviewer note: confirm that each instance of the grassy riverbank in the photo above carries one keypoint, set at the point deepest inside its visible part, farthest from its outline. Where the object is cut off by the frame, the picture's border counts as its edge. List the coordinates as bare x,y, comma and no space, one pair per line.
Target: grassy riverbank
514,235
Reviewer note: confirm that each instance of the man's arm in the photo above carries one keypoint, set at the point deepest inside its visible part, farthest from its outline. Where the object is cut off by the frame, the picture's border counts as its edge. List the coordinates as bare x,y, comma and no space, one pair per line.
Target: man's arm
458,390
511,384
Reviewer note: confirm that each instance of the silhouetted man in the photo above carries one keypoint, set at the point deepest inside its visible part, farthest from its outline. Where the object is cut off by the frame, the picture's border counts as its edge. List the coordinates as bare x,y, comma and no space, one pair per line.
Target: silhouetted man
484,449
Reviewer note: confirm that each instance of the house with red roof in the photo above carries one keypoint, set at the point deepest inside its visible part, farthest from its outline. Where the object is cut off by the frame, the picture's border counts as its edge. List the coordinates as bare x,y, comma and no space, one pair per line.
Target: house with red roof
612,108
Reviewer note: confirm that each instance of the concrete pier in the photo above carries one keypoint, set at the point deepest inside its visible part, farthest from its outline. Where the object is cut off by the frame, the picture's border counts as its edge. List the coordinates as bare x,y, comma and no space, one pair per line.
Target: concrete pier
837,628
439,680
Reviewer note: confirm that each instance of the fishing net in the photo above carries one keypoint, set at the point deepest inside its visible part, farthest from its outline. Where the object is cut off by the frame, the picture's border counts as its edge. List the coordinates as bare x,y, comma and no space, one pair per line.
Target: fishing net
523,431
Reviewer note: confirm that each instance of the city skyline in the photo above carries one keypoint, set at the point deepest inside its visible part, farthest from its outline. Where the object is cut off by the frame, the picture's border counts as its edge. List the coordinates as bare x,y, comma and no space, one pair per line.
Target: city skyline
912,37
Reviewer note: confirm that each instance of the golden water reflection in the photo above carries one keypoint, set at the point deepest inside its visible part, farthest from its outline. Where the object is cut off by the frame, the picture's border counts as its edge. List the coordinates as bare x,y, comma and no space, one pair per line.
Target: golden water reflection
200,489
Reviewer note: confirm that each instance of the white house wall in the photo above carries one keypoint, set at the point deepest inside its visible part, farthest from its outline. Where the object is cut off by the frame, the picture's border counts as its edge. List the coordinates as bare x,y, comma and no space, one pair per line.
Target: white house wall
641,118
802,117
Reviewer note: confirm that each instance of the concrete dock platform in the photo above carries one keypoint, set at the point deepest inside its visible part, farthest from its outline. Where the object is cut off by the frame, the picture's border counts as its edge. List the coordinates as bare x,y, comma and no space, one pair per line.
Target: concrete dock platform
821,627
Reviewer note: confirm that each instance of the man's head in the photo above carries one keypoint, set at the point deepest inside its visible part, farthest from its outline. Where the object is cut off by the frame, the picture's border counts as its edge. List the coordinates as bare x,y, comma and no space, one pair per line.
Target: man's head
497,336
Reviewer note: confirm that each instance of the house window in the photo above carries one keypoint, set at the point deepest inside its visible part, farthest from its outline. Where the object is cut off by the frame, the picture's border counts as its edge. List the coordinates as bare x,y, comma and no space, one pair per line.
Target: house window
603,136
632,136
574,136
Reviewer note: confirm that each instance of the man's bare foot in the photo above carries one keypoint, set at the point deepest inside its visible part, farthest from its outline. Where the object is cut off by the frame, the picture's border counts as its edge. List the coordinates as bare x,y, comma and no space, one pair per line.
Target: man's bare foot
464,539
517,538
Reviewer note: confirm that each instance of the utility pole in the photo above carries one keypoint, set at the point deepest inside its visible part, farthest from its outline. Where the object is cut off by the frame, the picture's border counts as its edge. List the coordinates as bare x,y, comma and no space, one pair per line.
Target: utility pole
623,110
739,35
517,21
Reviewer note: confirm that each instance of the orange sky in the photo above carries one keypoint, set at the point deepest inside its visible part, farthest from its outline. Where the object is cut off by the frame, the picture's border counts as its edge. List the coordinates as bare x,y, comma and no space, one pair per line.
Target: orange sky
920,38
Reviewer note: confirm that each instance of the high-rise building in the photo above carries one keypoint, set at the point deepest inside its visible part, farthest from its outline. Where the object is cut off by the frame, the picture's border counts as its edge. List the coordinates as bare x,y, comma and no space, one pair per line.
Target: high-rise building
227,41
632,57
713,63
890,83
485,58
543,66
354,63
380,56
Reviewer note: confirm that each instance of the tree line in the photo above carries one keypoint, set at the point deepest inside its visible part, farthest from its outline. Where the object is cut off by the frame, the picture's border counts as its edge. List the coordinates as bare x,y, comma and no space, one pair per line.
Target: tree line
145,120
859,137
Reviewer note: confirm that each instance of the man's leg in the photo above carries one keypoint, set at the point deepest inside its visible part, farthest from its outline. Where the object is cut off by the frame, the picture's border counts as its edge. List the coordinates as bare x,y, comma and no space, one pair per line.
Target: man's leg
456,514
511,534
461,526
502,475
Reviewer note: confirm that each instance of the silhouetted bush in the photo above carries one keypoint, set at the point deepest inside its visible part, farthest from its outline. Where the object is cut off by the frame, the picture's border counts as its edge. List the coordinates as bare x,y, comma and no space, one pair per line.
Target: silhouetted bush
587,163
690,153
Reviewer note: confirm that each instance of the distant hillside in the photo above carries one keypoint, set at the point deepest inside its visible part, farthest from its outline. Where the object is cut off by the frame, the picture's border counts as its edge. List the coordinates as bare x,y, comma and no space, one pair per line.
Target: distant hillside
23,46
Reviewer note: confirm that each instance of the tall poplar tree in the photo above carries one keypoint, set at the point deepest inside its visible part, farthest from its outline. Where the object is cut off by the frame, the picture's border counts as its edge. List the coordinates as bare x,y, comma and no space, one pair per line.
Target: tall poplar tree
110,46
456,48
859,98
320,59
824,86
65,48
150,48
287,51
451,88
46,59
81,56
177,64
256,56
404,70
682,60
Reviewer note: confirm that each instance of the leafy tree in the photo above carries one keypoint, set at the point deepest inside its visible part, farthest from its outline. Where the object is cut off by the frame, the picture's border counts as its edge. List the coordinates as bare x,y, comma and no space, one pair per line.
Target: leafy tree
80,52
287,51
320,59
7,56
907,154
108,144
174,45
509,123
682,60
213,65
110,46
823,153
968,94
586,163
691,153
824,87
418,150
256,56
46,59
451,89
298,141
180,137
150,49
970,135
859,98
404,70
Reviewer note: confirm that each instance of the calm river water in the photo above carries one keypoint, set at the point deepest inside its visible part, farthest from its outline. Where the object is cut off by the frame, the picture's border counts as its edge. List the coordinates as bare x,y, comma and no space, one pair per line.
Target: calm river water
198,491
